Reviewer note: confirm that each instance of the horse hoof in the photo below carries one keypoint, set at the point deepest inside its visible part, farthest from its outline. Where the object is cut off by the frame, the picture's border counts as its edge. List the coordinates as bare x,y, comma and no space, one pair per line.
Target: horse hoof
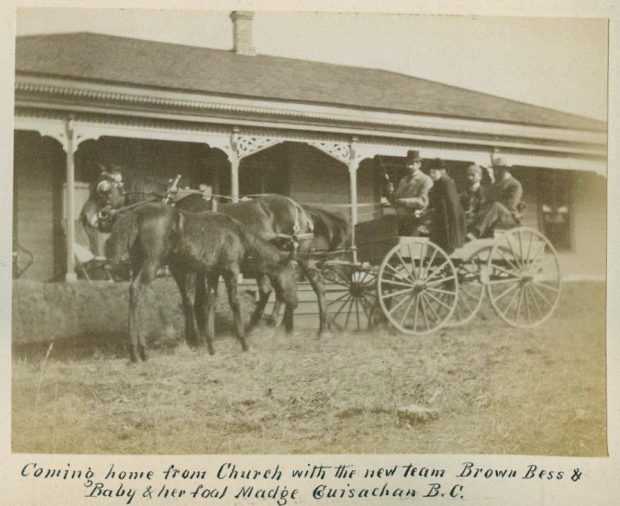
211,350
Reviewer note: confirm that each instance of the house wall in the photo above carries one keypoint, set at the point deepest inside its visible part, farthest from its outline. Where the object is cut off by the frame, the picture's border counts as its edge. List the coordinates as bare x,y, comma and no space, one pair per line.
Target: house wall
317,178
38,175
589,227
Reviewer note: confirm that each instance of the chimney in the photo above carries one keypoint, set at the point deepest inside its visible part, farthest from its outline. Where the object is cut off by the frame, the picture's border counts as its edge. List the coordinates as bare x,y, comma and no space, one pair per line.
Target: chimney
242,32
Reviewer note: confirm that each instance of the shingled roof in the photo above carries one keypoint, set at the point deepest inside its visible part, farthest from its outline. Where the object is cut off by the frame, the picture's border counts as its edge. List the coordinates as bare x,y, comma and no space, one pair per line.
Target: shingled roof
120,60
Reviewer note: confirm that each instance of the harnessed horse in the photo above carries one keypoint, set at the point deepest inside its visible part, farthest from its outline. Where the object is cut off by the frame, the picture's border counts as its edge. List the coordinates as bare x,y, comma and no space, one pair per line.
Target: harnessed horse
274,218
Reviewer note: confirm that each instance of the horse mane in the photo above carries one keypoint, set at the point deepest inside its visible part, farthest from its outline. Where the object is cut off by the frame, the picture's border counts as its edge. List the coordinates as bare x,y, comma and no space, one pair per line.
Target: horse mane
122,236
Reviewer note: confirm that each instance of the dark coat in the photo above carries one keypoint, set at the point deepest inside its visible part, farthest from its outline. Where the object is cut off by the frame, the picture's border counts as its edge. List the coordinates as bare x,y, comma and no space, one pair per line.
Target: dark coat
447,218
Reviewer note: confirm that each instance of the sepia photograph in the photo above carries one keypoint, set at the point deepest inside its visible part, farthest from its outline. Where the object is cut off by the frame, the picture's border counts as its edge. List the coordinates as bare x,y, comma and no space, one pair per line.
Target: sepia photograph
258,232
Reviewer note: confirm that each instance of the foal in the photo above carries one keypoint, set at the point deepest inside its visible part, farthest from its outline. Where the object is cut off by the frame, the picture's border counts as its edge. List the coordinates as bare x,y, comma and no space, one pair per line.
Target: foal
208,244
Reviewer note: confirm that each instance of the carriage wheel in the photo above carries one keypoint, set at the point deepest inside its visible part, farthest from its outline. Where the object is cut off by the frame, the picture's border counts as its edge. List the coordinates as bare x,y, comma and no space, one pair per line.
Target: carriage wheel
524,277
417,287
471,274
351,298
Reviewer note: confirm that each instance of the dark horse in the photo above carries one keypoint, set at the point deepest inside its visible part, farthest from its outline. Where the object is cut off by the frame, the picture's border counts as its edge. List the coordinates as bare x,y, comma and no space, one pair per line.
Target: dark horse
274,218
207,243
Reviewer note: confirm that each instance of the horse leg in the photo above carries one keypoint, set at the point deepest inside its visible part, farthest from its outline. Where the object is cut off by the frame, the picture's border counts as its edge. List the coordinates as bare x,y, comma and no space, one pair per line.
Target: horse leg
275,313
230,278
314,277
264,291
186,281
287,320
210,302
137,342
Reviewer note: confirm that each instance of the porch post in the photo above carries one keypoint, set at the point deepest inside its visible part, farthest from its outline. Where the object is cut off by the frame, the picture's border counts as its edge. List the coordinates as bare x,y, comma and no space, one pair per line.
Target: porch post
234,165
353,166
70,276
234,177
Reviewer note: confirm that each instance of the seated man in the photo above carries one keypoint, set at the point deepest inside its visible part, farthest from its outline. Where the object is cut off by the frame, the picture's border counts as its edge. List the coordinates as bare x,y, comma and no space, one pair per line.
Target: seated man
504,199
474,199
447,216
411,196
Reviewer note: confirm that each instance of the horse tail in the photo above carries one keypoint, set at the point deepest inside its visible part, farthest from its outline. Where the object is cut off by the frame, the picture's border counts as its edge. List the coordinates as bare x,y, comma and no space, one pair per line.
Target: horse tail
123,235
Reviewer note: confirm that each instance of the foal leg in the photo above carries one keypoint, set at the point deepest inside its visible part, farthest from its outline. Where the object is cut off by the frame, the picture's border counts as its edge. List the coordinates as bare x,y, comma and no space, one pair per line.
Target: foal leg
210,303
230,278
137,342
200,305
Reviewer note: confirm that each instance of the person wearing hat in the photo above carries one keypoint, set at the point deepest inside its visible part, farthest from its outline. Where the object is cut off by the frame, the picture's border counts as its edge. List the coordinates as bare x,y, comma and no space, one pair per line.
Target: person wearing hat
411,195
447,227
504,199
473,199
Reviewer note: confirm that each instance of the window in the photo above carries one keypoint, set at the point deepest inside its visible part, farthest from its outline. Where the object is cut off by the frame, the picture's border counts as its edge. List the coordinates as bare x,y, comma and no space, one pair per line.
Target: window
555,192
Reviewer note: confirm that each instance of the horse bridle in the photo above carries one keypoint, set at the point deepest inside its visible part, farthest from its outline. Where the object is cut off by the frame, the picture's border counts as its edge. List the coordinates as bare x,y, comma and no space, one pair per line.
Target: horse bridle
104,188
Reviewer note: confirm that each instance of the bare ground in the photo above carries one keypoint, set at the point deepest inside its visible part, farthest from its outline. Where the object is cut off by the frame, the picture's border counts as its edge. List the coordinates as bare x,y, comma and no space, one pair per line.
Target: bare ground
498,390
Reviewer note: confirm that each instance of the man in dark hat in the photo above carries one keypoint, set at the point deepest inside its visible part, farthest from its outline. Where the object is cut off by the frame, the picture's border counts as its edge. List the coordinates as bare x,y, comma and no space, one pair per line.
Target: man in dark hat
447,216
411,196
504,199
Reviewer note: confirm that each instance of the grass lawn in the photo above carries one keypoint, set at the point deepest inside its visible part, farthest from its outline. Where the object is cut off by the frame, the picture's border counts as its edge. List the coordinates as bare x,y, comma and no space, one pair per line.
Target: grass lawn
498,390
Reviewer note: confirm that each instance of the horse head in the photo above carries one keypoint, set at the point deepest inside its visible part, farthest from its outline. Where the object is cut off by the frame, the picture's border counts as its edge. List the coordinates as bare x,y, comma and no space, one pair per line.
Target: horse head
106,194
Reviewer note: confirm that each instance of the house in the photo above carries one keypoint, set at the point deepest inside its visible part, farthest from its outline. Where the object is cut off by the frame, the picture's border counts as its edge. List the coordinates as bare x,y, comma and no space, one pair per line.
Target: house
245,123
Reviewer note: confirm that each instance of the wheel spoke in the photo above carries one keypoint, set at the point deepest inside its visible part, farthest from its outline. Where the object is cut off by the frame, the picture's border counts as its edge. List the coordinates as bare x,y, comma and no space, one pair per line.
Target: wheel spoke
506,259
512,299
412,260
506,292
399,292
409,272
422,302
397,283
521,251
329,304
505,271
357,313
343,304
346,321
431,306
498,281
535,301
404,299
464,300
437,269
398,274
429,263
512,250
439,290
438,300
542,296
521,290
406,311
415,313
439,281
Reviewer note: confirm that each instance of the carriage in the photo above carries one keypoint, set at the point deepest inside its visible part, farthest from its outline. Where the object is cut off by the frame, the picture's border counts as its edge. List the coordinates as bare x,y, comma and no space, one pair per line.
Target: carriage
418,288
